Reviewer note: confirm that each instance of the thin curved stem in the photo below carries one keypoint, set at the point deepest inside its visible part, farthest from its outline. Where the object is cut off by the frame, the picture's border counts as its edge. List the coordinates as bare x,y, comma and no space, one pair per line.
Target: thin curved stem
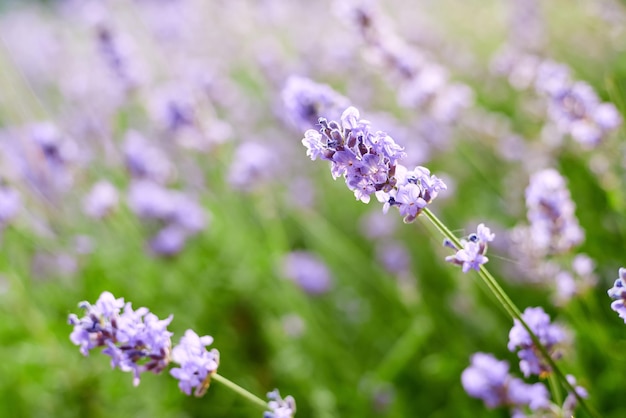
240,391
512,309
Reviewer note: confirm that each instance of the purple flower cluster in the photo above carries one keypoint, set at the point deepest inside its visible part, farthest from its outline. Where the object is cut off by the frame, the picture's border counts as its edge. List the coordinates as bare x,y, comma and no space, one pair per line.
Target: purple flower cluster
553,223
549,335
306,101
573,106
425,84
197,364
618,292
369,163
488,379
472,254
279,407
136,340
180,215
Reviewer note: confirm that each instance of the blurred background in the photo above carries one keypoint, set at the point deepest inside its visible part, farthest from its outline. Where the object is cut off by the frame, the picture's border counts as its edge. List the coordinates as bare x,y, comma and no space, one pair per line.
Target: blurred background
152,148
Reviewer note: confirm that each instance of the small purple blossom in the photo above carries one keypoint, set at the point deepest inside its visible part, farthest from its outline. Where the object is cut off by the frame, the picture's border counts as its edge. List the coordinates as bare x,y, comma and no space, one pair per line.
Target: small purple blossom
618,292
471,255
197,364
306,101
101,200
549,335
488,379
136,340
308,271
279,407
551,213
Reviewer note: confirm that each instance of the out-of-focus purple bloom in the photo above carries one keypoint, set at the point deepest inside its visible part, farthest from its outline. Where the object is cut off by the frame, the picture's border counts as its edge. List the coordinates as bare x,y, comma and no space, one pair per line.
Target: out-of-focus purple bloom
471,255
553,223
618,292
306,101
394,256
253,164
197,364
10,205
169,241
101,200
116,53
488,379
549,335
376,225
308,271
279,407
181,215
570,403
574,282
136,340
144,160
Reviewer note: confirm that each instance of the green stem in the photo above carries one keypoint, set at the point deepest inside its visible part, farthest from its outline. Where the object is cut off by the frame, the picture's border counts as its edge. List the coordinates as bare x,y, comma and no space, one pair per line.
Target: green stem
240,391
512,309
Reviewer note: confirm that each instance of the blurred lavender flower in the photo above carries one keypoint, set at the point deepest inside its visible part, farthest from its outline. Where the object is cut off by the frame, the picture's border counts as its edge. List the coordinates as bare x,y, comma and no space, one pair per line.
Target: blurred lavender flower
573,107
618,292
394,256
136,340
308,271
553,224
10,205
116,52
368,162
101,200
306,101
279,407
549,335
197,364
570,403
181,215
474,248
577,281
252,164
488,379
145,160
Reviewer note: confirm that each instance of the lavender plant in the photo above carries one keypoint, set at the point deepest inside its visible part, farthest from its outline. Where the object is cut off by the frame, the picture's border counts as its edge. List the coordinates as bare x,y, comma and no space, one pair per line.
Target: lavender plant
138,342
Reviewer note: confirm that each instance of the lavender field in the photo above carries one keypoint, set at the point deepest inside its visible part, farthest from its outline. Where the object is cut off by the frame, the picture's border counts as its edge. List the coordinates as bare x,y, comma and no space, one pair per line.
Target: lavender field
320,209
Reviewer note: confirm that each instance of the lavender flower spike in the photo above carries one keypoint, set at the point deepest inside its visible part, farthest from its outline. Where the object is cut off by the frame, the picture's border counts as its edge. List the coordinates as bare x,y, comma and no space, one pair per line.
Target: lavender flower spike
197,364
618,292
549,335
472,254
279,407
488,379
368,161
136,340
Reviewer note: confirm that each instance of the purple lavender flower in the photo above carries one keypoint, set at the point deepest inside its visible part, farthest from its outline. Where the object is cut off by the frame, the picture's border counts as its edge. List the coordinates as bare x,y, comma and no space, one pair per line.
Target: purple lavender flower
10,205
136,340
368,161
549,335
144,160
553,222
279,407
570,403
488,379
101,200
308,271
618,292
472,253
197,364
306,101
253,163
